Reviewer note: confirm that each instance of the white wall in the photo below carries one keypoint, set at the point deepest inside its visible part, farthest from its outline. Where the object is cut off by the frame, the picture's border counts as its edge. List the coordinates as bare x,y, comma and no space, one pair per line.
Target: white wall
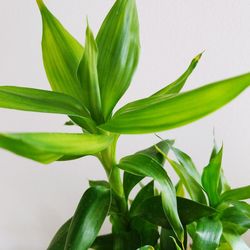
37,199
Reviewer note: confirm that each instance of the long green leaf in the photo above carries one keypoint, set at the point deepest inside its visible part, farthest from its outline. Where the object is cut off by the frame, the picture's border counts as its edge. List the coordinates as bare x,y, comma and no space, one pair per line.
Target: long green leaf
211,178
23,149
208,234
88,218
37,100
235,241
177,85
118,44
59,240
62,144
241,193
166,112
193,187
144,165
88,76
61,55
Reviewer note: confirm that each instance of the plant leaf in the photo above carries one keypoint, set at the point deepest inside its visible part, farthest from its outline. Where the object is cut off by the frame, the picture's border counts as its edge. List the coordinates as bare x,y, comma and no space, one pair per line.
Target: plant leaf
188,211
130,180
211,178
152,168
208,234
118,44
28,151
103,242
60,143
59,240
193,187
177,85
171,111
88,218
88,76
37,100
61,55
241,193
146,248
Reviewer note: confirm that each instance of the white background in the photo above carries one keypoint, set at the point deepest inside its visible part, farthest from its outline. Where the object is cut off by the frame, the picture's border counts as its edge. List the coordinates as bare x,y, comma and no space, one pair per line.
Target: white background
37,199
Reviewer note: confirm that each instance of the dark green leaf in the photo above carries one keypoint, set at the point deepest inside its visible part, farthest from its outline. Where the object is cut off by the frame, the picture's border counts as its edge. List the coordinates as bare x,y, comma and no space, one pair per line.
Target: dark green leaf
177,85
146,164
103,242
88,218
61,55
145,193
166,240
127,240
208,234
166,112
241,193
59,240
118,44
188,210
211,178
88,76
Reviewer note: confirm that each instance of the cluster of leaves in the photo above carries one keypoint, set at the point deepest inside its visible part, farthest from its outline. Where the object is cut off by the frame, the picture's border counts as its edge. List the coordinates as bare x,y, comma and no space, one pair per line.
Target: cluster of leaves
87,82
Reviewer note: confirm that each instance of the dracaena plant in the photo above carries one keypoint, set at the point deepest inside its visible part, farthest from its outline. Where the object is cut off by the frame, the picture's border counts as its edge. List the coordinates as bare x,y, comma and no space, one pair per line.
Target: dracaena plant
87,81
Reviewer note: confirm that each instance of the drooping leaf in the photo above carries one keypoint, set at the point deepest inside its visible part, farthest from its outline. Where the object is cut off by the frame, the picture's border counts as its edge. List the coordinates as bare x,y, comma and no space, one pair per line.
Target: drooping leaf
37,100
88,218
118,44
241,193
61,55
193,187
188,211
171,111
211,178
57,143
177,85
59,240
88,77
208,234
144,164
130,180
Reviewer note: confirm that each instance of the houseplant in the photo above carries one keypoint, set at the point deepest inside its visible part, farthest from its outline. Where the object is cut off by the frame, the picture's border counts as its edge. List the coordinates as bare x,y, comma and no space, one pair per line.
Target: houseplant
87,82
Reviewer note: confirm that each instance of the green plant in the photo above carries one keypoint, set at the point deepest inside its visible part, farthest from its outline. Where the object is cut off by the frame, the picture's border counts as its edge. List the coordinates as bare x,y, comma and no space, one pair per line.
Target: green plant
87,83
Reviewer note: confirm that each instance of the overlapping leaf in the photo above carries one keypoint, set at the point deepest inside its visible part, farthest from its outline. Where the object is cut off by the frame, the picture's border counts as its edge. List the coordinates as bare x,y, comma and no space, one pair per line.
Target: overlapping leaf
118,44
88,218
241,193
61,55
170,111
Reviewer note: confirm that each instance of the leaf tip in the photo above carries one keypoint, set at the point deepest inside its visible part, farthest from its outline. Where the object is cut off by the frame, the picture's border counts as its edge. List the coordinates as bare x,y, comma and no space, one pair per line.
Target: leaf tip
198,57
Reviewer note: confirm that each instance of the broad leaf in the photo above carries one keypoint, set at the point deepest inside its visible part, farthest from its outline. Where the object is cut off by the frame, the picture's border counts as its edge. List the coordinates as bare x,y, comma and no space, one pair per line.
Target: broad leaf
37,100
59,143
61,55
188,210
171,111
211,178
103,242
144,164
88,76
118,44
208,234
88,218
59,240
177,85
241,193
